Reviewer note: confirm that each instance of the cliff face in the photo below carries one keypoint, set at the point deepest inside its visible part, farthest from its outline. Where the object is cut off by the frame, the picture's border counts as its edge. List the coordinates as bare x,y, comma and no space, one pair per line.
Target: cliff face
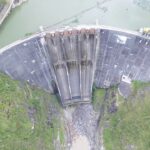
71,60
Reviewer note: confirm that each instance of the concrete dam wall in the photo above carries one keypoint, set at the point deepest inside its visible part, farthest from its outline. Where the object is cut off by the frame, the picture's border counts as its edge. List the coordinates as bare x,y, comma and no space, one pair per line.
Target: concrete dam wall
70,60
72,56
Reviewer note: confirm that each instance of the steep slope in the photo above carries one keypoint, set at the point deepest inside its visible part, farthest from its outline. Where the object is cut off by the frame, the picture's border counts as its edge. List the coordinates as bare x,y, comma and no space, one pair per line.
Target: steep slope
30,118
128,127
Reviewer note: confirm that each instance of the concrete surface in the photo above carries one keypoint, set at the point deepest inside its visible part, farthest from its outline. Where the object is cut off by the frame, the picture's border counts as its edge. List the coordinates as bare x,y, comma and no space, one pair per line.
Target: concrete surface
75,57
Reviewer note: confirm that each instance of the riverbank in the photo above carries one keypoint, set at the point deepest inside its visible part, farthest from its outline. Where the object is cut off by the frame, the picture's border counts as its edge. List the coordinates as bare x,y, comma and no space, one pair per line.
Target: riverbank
7,7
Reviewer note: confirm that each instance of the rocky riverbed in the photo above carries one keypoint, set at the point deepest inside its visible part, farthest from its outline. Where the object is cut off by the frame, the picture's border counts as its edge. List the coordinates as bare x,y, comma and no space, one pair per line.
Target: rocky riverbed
82,121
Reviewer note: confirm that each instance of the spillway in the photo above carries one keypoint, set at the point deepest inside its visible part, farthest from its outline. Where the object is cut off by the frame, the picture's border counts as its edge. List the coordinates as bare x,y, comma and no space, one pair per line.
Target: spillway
72,57
70,60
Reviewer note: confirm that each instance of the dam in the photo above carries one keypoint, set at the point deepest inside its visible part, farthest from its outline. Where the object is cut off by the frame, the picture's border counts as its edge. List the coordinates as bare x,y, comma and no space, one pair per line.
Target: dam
70,60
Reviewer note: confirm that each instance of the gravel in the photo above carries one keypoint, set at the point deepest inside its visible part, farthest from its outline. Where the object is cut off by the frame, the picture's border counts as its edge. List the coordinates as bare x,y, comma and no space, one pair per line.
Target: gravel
84,120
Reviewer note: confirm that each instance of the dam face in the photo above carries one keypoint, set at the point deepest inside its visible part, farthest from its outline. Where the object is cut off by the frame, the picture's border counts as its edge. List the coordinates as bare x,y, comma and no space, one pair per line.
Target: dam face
122,53
71,60
72,56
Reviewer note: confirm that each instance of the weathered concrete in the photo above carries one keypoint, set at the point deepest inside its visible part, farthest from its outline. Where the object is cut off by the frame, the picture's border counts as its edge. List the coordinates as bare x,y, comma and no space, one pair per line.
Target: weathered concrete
120,54
72,59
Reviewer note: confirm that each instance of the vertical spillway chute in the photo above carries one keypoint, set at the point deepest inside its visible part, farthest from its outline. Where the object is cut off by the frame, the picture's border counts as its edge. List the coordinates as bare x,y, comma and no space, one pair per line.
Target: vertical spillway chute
72,55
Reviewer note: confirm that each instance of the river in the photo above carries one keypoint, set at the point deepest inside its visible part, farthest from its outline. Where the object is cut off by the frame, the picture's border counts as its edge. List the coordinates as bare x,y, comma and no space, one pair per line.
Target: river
34,13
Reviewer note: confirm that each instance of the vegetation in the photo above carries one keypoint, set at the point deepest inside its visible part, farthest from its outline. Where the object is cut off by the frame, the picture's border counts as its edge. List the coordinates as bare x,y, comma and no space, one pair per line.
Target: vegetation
136,85
98,97
128,128
29,34
30,119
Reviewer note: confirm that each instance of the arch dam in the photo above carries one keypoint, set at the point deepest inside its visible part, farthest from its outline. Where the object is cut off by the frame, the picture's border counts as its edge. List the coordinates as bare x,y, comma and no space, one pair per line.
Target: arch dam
70,60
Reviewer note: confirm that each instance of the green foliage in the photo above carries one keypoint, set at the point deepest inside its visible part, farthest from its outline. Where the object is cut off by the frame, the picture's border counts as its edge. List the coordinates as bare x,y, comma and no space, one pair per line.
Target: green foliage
136,85
19,106
98,97
29,34
129,126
